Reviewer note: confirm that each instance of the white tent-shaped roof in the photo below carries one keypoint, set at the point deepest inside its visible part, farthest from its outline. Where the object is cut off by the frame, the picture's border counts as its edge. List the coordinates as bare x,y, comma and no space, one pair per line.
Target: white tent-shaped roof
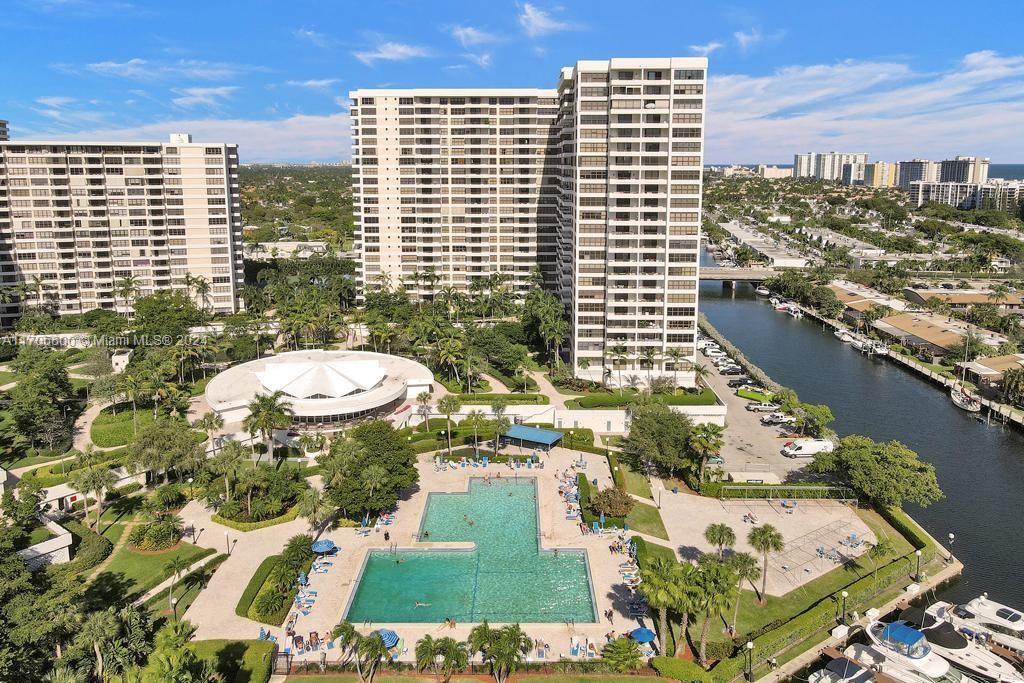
328,379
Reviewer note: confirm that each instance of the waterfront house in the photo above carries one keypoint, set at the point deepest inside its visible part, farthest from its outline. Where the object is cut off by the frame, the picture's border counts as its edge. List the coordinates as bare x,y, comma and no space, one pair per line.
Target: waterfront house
988,371
920,333
962,299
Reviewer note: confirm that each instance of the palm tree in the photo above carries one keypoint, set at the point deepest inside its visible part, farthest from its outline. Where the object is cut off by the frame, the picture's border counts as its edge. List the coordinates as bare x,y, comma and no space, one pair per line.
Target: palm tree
99,629
448,406
622,654
705,440
314,508
676,355
661,589
454,657
475,419
98,480
209,423
371,651
648,356
744,568
347,636
619,356
65,674
879,551
423,398
127,288
721,536
228,463
373,477
176,566
133,387
700,373
267,413
715,581
505,649
765,539
426,654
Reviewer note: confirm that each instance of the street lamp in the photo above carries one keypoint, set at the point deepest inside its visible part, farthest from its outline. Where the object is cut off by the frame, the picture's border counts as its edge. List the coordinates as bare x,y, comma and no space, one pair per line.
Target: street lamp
952,537
845,595
750,660
190,480
174,607
917,575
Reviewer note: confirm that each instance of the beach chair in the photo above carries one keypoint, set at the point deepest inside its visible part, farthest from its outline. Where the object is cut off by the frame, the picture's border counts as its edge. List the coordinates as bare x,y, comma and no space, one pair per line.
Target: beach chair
574,648
487,461
597,528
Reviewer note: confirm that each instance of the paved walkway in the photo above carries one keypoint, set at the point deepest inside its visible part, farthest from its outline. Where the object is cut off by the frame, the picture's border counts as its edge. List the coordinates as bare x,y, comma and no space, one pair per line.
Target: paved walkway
497,386
121,541
166,583
548,389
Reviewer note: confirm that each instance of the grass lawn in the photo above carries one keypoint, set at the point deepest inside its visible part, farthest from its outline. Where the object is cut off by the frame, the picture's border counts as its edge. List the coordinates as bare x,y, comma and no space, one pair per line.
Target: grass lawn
237,661
6,377
186,590
132,572
647,520
636,483
110,430
200,385
615,401
554,678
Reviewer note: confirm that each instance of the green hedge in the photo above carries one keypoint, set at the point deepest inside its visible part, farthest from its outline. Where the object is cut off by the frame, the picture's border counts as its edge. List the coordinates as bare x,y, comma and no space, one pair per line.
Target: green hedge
618,476
292,513
50,475
253,666
88,550
681,669
259,577
705,398
532,399
907,527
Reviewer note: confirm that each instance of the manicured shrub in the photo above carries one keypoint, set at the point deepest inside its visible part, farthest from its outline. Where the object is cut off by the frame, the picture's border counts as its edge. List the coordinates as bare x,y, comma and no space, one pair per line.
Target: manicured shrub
681,669
259,577
613,502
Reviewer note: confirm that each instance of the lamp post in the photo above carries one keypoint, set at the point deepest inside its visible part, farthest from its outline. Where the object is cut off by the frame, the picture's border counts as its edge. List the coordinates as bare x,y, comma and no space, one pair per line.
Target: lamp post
845,595
190,480
917,574
952,537
750,660
174,607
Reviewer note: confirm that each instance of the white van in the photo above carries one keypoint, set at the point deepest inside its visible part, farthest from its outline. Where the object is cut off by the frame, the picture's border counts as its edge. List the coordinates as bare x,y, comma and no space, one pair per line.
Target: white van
805,448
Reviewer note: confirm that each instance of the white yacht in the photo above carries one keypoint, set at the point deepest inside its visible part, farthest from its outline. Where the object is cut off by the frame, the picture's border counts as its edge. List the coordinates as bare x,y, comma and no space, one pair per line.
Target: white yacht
877,660
964,653
844,336
762,291
795,311
907,647
961,399
842,670
1002,625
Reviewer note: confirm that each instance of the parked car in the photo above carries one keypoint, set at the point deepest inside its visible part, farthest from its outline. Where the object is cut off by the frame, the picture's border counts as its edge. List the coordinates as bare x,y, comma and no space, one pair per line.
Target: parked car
805,448
716,460
778,418
732,370
763,407
741,381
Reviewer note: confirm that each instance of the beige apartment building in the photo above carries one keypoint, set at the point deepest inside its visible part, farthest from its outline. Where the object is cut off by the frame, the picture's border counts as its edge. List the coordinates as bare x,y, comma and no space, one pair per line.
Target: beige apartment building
79,218
596,182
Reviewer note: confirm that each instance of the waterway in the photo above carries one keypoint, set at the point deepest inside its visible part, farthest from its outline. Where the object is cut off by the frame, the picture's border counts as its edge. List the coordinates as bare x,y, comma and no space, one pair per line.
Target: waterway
980,468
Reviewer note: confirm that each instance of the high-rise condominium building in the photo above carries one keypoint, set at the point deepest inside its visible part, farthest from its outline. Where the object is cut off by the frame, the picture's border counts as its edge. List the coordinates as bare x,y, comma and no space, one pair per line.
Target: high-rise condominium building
4,134
597,182
963,169
825,165
917,169
81,221
881,174
853,174
1004,195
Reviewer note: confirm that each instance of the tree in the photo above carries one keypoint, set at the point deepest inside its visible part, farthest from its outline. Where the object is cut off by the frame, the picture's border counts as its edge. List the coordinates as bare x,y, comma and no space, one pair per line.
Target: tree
228,464
350,483
1012,386
765,539
744,568
314,508
879,550
165,316
127,288
267,413
612,502
423,399
443,656
448,406
715,586
660,588
176,566
658,438
209,423
813,419
721,536
99,629
98,480
887,474
503,648
370,652
705,440
475,420
622,654
619,356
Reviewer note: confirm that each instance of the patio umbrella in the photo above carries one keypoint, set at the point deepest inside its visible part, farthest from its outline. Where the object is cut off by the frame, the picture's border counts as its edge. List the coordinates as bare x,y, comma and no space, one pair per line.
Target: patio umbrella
389,637
642,635
324,545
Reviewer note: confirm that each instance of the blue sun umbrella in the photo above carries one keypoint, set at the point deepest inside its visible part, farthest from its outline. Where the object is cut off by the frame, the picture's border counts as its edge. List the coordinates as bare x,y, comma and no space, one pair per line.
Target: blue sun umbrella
642,635
324,545
390,638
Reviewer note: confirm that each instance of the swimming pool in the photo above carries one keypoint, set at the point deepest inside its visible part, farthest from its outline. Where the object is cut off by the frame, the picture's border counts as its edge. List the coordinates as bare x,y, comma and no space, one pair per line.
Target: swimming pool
506,578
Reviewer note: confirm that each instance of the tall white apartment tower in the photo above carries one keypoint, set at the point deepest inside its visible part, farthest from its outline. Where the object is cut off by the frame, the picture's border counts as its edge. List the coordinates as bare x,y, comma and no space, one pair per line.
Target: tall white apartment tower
803,165
77,218
597,182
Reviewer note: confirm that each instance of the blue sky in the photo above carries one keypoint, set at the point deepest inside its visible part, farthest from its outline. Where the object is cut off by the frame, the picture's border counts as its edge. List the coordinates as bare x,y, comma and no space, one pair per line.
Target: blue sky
894,79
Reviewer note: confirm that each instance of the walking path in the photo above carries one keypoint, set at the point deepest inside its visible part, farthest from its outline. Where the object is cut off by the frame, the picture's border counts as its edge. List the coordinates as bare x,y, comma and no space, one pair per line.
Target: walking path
548,389
113,551
166,583
497,386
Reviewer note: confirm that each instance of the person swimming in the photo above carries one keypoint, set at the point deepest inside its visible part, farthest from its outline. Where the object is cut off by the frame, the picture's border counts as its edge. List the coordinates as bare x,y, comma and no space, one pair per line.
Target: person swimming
422,604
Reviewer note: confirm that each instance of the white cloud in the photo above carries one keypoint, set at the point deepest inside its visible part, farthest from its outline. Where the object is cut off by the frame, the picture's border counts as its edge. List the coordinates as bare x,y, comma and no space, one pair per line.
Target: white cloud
55,101
469,36
391,52
706,49
315,37
536,22
882,107
754,37
455,67
209,97
296,138
314,83
482,60
144,70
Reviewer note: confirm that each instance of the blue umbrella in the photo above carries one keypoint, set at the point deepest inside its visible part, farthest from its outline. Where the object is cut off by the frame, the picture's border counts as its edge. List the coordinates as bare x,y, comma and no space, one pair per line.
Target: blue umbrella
324,545
642,635
390,638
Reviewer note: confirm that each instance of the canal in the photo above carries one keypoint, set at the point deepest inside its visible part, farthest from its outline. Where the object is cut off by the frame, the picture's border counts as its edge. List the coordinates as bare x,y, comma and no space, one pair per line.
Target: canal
980,468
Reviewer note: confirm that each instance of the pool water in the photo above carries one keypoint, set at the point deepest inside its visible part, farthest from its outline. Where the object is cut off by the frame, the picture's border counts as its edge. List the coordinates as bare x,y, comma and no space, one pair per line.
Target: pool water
507,578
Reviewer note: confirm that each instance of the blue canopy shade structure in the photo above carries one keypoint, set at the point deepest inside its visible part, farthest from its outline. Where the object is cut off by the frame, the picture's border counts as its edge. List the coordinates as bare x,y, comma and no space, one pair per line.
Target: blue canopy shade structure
324,545
533,436
901,633
642,635
389,637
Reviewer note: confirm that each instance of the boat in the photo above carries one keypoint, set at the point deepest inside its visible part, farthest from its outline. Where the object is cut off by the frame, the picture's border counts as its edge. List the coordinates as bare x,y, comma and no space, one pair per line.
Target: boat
762,291
961,399
1001,625
842,670
775,301
795,311
907,647
876,660
962,652
844,336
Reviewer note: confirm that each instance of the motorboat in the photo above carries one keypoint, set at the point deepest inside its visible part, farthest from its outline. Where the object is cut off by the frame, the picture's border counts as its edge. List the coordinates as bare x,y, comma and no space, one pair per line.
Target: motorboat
842,670
844,336
1001,625
795,311
775,301
878,661
962,652
908,647
961,399
762,291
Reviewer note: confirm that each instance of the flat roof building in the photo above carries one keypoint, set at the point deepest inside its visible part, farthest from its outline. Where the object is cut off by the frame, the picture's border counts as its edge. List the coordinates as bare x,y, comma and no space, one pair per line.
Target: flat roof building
4,132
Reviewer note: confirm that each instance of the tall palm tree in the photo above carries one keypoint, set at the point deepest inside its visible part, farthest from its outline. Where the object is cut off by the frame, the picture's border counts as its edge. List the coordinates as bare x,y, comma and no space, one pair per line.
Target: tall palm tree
229,463
687,598
765,539
700,373
127,288
133,387
96,479
448,406
705,440
266,413
879,551
424,409
475,420
649,356
676,355
314,508
373,477
176,566
504,650
661,590
716,586
99,629
619,356
721,536
209,423
744,568
454,657
371,651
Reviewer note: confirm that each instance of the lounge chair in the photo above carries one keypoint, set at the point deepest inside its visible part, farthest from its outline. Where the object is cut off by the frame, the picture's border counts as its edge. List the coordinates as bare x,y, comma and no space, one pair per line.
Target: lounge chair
486,461
574,648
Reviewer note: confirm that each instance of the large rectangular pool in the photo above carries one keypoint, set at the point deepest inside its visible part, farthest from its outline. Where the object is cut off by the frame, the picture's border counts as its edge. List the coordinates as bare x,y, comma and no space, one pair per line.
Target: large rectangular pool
506,578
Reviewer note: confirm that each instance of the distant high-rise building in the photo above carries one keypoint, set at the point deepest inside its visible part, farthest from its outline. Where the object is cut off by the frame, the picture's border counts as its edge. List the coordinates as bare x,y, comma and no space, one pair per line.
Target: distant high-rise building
881,174
853,174
596,182
4,133
963,169
917,170
825,165
84,216
1004,195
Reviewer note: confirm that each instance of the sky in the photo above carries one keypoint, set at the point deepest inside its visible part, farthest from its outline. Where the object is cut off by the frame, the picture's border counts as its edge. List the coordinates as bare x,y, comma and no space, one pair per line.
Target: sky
894,79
